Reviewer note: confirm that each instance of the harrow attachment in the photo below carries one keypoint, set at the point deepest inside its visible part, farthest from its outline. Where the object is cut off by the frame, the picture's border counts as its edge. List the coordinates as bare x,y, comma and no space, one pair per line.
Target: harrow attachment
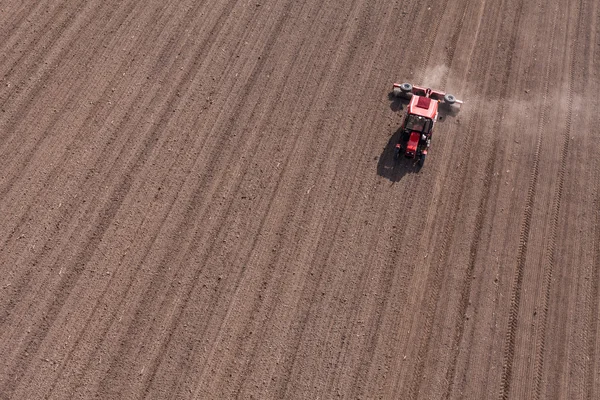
407,90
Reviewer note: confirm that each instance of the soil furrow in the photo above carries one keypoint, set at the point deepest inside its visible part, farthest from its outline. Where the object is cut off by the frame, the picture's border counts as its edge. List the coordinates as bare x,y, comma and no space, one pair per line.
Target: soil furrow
69,211
200,200
285,15
15,23
27,152
57,19
104,218
54,51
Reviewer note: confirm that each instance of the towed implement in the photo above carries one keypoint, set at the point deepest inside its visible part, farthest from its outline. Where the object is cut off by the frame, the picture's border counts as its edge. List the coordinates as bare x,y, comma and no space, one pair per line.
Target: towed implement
421,116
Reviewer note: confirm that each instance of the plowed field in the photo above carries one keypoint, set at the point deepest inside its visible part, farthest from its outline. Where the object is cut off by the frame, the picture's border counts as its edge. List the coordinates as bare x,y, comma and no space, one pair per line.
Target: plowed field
198,199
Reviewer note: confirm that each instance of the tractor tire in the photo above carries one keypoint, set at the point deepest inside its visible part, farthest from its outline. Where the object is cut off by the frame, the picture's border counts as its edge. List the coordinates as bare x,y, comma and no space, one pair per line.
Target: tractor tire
397,152
449,99
422,160
406,88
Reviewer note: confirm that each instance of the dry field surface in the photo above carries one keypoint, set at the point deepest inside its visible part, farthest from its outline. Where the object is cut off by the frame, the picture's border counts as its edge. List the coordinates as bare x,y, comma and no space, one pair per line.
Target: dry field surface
198,199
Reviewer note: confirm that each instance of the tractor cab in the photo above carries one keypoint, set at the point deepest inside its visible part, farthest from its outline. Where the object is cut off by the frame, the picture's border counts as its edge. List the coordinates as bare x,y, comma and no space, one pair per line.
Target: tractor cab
418,123
416,131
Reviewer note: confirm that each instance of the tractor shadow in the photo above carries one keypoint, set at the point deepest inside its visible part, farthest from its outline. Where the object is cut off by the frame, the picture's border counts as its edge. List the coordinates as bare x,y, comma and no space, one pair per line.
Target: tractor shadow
395,169
397,103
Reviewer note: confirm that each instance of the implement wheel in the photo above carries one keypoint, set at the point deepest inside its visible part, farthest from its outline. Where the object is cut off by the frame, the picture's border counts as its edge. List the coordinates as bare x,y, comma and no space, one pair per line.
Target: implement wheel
449,99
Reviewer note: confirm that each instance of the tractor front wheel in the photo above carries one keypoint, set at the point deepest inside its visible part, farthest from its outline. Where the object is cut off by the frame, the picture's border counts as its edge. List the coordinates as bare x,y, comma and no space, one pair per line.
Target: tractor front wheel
422,160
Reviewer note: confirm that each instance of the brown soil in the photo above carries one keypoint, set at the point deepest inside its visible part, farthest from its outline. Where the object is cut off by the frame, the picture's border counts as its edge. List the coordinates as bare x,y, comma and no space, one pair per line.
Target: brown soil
199,200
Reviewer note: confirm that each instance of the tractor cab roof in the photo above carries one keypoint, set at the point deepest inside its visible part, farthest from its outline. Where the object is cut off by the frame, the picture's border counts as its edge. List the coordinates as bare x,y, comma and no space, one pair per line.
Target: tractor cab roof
423,106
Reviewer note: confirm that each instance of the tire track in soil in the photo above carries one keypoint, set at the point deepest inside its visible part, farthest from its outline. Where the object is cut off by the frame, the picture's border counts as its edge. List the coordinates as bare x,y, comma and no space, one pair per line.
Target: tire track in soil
515,299
462,383
106,216
558,195
479,223
433,294
68,214
489,164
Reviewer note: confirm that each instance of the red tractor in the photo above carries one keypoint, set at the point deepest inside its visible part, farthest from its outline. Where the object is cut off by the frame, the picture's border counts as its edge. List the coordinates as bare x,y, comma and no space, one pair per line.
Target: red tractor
421,115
